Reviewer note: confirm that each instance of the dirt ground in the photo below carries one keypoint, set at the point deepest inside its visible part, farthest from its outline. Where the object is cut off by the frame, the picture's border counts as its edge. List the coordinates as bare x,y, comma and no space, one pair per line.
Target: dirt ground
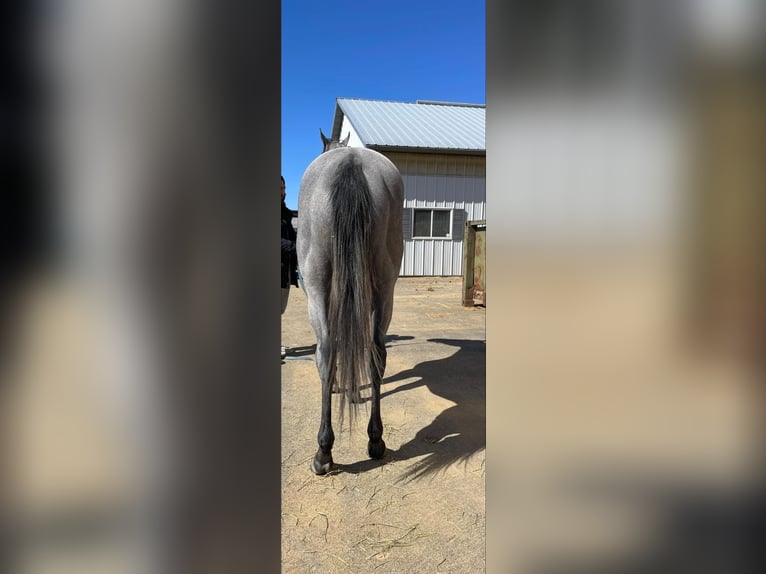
421,508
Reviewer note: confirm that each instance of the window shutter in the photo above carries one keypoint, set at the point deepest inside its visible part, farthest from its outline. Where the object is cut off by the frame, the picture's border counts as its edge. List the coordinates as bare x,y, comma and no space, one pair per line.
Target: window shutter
407,223
458,224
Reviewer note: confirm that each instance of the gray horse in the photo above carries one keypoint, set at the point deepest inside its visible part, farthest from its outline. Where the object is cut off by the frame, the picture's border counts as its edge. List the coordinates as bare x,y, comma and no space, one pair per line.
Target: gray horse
349,253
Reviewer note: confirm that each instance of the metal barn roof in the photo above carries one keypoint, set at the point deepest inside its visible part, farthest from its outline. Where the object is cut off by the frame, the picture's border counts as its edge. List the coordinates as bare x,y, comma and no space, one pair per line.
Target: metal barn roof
421,126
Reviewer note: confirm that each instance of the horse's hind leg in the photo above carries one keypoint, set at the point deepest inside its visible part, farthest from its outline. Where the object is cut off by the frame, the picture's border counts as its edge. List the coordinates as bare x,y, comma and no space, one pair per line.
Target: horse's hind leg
325,361
326,438
376,447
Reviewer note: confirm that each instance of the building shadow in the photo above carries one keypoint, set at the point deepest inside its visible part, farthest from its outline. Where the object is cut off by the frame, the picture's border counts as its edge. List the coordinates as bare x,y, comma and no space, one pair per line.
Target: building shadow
459,431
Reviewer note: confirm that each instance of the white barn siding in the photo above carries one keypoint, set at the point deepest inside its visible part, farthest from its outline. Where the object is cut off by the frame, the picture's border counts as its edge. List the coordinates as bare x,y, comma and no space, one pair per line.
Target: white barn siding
440,181
346,128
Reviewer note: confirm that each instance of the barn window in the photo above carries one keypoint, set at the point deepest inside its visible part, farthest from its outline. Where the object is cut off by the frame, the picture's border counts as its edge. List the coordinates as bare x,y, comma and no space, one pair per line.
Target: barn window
432,222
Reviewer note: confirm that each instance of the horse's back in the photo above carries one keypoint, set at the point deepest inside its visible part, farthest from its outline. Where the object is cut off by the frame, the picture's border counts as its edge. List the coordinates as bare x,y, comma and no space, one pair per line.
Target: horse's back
316,211
383,179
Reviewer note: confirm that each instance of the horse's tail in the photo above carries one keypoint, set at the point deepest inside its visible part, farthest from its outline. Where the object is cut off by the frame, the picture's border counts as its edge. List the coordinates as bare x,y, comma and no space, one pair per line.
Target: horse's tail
351,291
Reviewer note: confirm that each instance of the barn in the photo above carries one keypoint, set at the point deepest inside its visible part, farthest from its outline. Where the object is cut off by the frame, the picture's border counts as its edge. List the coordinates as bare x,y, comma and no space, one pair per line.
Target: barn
440,151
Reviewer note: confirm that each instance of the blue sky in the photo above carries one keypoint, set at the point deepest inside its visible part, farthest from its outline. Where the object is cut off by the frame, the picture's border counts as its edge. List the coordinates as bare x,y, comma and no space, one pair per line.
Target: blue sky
393,50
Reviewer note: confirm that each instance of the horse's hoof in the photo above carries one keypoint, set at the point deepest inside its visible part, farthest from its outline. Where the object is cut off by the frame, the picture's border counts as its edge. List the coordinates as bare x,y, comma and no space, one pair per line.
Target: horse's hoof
322,464
376,449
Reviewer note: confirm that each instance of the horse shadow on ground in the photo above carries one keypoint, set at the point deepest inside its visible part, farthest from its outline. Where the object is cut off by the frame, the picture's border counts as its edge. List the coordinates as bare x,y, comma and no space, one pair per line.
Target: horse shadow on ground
456,433
304,351
396,338
308,351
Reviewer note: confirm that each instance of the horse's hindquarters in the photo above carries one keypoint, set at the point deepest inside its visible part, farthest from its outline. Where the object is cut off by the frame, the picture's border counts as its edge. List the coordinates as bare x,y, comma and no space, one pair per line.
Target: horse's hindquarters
349,253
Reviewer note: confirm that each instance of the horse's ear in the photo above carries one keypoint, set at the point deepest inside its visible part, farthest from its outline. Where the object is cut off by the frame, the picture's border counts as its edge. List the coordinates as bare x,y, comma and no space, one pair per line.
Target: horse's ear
325,141
344,143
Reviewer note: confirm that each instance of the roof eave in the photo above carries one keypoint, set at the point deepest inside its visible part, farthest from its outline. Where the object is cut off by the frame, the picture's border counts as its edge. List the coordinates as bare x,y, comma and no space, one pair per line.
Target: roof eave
412,149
